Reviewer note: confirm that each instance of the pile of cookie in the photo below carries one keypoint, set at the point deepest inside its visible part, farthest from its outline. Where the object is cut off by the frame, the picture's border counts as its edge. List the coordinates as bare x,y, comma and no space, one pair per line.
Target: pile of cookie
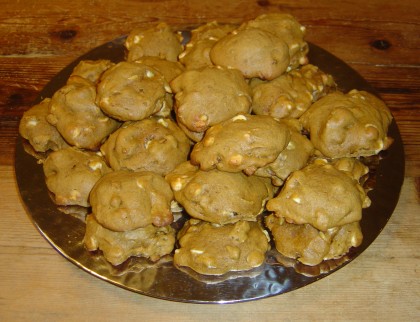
235,128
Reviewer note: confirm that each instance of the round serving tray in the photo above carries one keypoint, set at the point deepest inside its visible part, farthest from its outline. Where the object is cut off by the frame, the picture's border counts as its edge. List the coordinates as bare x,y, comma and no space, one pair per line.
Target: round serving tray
162,280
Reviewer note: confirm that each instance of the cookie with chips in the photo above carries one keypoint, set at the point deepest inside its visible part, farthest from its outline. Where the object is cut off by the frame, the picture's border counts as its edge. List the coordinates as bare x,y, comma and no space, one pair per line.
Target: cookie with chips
243,143
348,125
152,144
70,175
217,196
117,246
215,250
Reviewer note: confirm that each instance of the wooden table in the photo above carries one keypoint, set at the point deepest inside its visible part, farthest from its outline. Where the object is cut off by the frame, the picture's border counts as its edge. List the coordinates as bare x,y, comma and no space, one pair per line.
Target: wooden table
378,38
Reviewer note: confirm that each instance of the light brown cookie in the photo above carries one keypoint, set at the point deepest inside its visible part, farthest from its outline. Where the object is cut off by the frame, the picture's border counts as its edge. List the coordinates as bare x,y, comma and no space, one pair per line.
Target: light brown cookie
159,41
288,29
294,157
291,94
320,195
255,52
132,92
352,166
215,250
348,125
76,116
149,241
217,196
197,51
153,144
91,69
125,200
243,143
309,245
209,96
34,127
70,175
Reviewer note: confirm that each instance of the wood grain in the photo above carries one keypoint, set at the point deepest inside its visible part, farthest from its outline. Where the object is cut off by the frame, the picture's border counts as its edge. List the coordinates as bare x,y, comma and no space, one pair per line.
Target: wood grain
378,38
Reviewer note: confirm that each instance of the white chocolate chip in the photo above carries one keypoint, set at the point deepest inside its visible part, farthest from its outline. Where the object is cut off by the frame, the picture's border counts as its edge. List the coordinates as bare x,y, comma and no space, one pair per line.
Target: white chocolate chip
149,73
95,165
177,184
196,251
163,122
182,55
239,117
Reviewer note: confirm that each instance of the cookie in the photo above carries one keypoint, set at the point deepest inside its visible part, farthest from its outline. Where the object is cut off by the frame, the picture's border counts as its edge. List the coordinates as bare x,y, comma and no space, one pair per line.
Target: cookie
348,125
153,144
34,127
294,157
320,195
255,52
132,92
209,96
76,116
159,41
352,166
125,200
150,242
91,69
215,250
243,143
197,51
309,245
70,175
289,30
217,196
290,94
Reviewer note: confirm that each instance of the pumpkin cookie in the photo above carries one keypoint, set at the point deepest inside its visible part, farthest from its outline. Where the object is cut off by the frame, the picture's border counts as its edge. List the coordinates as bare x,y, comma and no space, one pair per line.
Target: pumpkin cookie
125,200
348,125
76,116
91,69
159,41
132,92
149,241
309,245
255,52
289,30
197,51
209,96
70,175
41,135
217,196
215,250
153,144
320,195
243,143
290,94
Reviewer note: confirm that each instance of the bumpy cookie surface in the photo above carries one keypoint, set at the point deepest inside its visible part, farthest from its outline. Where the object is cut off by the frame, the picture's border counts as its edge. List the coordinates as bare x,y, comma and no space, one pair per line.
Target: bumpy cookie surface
243,143
76,116
125,200
41,135
291,94
159,41
294,157
217,196
91,69
309,245
132,91
197,51
150,241
288,29
209,96
169,69
70,175
215,250
320,195
153,144
255,52
348,125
